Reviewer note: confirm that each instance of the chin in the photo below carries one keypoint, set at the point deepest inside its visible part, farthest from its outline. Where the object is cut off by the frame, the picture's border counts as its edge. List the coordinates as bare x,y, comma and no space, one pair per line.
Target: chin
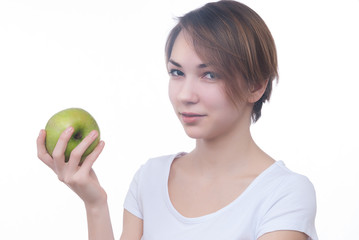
197,133
192,133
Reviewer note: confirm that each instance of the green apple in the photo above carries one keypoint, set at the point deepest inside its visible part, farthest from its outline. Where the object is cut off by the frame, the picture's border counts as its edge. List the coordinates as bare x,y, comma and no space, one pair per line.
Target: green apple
82,122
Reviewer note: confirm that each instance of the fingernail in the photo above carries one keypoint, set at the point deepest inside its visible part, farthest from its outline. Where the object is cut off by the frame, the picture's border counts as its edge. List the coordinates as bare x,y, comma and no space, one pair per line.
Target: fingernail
40,132
69,129
93,133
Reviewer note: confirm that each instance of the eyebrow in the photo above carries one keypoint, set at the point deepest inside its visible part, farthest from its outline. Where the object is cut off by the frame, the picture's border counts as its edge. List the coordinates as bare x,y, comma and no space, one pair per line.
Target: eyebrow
179,65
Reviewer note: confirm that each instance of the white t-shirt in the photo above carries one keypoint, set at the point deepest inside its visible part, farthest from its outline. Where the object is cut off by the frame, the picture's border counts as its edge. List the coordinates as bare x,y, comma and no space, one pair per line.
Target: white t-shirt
278,199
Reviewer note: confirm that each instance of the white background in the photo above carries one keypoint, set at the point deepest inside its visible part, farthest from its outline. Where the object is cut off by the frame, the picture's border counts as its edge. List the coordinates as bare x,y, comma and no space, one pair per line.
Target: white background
108,58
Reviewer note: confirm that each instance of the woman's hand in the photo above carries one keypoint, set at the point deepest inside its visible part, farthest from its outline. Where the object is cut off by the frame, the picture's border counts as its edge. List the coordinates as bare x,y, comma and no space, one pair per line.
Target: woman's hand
81,179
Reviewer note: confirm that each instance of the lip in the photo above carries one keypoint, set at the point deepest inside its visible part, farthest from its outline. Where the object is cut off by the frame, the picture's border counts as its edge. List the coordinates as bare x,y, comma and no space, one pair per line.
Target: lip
190,117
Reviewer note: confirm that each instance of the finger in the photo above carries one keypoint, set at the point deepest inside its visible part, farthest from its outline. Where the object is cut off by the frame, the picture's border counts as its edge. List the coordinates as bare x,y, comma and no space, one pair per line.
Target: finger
92,157
77,153
59,151
42,153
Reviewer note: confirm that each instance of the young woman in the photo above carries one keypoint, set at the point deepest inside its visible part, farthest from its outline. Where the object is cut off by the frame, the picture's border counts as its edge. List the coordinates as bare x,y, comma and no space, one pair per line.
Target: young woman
221,59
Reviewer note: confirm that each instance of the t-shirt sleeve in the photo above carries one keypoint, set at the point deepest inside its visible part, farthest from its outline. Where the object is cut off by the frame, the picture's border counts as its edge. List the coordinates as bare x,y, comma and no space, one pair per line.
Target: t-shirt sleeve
132,200
291,207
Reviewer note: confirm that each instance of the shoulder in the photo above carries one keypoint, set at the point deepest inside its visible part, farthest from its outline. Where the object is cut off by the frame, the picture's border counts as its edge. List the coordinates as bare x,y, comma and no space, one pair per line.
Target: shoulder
290,202
291,182
287,187
148,179
280,178
156,167
279,186
160,162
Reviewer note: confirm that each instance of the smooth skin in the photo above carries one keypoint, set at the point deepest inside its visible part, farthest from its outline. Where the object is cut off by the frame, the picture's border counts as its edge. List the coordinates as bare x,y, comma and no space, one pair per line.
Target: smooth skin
221,130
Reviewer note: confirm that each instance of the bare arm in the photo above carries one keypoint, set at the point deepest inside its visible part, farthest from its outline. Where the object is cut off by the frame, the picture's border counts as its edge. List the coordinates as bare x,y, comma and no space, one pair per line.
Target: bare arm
284,235
81,179
132,227
99,222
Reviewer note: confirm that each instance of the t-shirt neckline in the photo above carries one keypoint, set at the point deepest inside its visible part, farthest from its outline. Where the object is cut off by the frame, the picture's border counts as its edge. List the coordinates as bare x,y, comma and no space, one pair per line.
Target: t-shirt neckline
206,217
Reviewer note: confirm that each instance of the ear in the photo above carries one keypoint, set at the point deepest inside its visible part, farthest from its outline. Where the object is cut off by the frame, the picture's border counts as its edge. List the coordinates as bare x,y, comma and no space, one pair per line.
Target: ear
257,91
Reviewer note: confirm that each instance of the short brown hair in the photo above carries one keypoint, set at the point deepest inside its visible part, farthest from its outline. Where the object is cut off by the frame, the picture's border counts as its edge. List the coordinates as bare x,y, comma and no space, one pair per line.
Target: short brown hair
237,42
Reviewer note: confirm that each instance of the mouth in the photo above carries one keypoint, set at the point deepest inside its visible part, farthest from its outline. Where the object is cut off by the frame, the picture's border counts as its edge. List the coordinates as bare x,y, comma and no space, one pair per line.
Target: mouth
185,114
191,118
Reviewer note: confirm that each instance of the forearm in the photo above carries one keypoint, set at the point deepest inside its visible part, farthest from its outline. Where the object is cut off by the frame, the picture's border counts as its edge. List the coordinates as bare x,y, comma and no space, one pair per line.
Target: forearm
99,222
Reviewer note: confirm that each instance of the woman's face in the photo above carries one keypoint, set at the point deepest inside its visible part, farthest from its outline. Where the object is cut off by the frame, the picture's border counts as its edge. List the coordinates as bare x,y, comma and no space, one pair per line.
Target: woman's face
198,96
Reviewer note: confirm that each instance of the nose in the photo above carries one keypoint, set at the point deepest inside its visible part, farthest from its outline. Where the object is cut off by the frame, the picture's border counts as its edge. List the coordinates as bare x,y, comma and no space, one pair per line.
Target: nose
187,93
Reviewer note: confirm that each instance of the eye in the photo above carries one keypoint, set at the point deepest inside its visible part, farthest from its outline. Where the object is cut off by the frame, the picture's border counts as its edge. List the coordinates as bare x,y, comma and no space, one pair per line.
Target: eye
210,75
176,73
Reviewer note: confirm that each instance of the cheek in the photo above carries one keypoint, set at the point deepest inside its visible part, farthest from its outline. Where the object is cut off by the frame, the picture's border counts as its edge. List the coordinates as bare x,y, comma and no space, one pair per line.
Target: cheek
172,92
220,105
216,97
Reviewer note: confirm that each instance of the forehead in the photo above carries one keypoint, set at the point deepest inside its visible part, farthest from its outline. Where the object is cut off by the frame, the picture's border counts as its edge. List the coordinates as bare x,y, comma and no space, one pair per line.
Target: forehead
183,41
183,50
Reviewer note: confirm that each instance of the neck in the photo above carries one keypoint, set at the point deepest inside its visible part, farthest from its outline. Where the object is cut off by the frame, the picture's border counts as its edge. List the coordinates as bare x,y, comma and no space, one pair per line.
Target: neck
228,153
